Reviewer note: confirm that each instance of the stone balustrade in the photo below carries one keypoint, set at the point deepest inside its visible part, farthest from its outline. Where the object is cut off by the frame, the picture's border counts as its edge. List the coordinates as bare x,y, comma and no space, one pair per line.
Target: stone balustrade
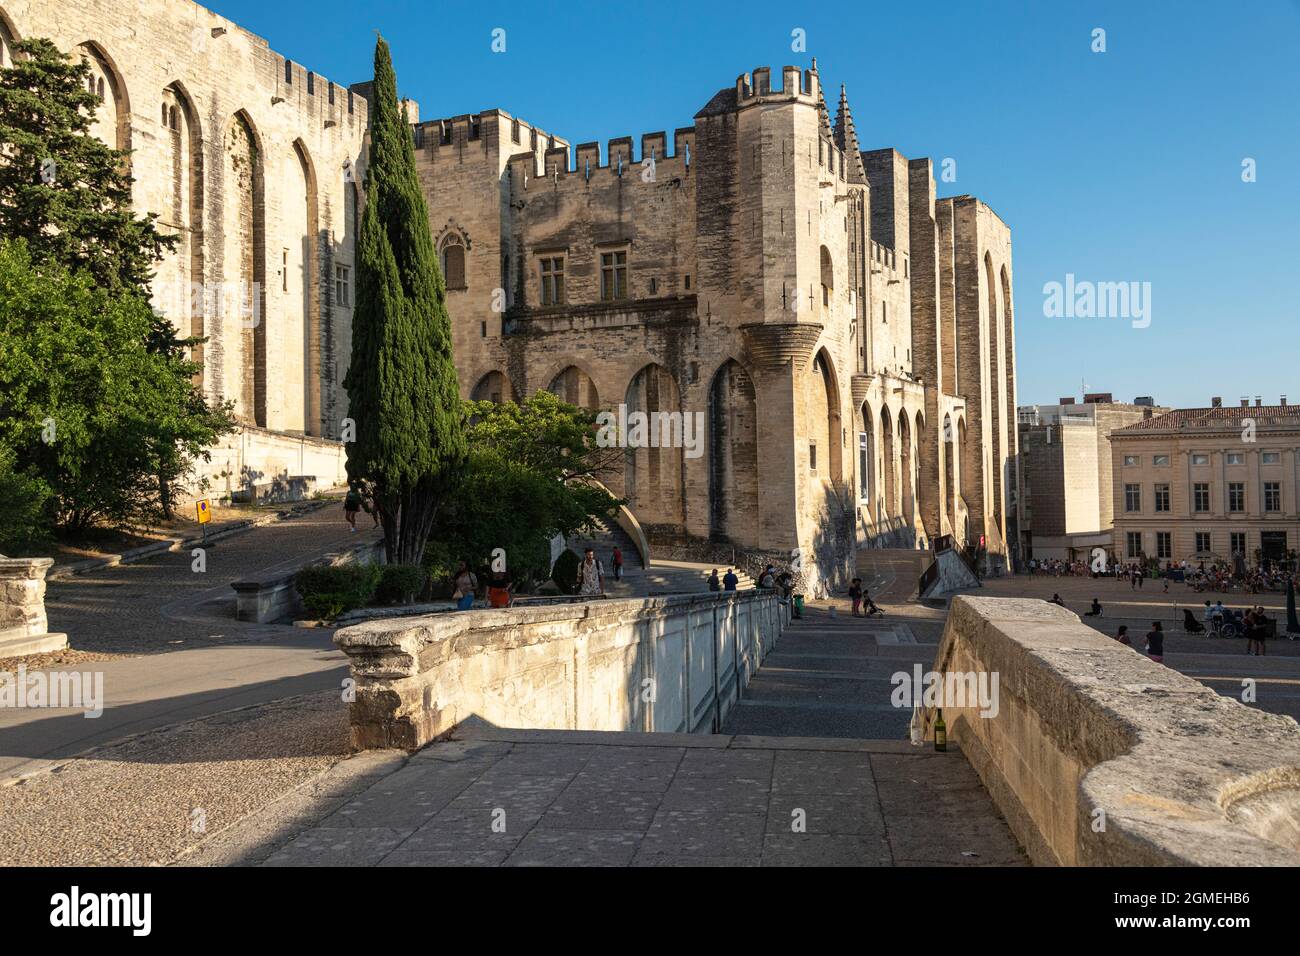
1097,755
24,628
676,663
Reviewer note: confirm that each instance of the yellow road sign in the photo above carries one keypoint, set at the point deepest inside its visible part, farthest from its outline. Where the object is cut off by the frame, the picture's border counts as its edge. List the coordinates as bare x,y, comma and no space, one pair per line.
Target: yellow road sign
204,508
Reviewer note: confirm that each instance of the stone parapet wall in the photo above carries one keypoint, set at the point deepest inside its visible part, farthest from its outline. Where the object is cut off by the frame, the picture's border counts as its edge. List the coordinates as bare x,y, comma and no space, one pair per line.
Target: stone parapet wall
1098,756
674,664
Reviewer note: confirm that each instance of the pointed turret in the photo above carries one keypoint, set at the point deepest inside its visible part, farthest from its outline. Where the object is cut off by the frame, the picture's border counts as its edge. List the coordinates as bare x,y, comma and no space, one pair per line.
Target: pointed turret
846,138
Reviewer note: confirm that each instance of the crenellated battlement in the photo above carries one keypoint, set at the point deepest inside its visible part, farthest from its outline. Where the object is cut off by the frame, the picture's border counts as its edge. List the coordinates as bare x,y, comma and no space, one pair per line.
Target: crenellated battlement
490,130
757,84
584,160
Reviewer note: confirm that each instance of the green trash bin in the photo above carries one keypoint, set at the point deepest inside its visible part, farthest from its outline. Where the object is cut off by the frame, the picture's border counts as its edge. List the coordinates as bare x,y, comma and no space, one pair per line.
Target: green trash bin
798,605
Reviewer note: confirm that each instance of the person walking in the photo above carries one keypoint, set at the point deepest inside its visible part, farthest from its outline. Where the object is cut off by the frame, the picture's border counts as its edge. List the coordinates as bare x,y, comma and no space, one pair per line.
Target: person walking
499,587
714,583
591,576
351,505
1156,643
617,560
767,579
464,585
729,580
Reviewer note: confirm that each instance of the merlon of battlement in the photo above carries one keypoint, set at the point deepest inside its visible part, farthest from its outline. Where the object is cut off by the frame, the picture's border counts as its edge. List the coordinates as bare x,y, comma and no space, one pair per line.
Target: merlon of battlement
619,155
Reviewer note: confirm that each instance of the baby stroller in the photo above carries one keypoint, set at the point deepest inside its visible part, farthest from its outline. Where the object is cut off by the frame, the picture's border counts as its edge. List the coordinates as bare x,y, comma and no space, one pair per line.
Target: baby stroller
1234,624
1190,624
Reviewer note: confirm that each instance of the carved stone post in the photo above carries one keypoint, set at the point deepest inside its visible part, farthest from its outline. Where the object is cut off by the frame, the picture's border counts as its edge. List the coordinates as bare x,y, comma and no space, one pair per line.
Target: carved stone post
24,628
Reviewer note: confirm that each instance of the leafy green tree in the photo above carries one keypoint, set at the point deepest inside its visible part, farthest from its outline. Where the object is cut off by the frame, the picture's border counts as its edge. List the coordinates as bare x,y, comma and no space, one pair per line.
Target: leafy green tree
86,409
22,507
61,189
532,474
68,196
402,388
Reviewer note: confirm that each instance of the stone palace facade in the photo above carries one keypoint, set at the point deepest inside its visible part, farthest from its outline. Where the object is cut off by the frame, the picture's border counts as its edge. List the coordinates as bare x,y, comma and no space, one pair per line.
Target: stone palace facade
845,337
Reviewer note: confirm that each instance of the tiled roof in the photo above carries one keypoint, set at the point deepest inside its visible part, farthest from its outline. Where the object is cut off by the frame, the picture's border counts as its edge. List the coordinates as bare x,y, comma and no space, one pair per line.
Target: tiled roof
1226,417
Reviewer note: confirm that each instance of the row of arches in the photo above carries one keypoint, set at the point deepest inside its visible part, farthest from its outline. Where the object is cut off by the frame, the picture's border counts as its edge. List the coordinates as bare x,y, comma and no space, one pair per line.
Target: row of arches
654,472
891,448
260,295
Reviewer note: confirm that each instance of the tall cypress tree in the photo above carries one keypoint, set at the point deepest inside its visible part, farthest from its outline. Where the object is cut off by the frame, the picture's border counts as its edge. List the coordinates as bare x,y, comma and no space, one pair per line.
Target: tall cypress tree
402,388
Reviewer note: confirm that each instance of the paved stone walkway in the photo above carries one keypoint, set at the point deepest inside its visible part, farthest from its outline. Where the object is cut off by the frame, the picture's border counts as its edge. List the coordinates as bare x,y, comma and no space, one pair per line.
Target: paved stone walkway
161,604
573,798
175,651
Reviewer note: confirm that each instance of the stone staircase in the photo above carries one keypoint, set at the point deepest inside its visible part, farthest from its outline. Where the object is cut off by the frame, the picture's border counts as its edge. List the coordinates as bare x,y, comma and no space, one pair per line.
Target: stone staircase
661,577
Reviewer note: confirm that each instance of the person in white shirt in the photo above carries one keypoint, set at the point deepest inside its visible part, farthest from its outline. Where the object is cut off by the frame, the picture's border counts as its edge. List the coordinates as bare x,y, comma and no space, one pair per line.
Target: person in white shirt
591,576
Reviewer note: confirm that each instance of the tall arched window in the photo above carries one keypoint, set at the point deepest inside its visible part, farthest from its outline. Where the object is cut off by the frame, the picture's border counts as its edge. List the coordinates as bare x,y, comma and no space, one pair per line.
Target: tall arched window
453,262
828,278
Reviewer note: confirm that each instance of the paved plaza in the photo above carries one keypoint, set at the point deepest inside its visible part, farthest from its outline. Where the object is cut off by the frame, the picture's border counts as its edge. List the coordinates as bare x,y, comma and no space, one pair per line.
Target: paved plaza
571,798
1220,663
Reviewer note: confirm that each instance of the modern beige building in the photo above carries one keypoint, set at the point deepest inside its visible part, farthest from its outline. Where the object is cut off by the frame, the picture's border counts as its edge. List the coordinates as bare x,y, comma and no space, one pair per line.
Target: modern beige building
1065,465
1201,484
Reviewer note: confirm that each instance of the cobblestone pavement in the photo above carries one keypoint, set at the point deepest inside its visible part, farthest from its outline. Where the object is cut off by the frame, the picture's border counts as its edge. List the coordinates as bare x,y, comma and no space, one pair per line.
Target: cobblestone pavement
573,798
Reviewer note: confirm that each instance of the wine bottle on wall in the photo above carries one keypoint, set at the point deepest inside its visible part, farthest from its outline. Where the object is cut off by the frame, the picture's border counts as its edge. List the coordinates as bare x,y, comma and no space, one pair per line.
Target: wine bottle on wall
916,729
940,733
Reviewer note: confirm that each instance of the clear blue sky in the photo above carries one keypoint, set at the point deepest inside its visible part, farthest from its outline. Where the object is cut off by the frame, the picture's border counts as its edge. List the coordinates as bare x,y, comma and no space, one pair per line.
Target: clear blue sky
1115,166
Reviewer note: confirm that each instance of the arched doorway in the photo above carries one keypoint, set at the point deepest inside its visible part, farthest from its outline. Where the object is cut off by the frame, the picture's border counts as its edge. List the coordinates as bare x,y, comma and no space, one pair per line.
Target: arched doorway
826,433
733,459
867,461
575,386
652,470
492,387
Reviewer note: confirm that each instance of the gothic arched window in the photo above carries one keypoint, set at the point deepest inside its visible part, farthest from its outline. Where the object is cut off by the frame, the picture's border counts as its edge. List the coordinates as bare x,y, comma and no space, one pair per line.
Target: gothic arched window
453,262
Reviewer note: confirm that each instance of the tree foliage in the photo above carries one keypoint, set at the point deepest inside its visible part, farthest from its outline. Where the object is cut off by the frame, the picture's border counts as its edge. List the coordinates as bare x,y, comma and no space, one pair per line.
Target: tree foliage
531,475
98,405
402,387
61,189
86,409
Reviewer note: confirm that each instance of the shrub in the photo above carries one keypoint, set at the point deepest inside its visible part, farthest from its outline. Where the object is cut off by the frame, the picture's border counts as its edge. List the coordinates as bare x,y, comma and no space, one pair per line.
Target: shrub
330,590
399,583
565,572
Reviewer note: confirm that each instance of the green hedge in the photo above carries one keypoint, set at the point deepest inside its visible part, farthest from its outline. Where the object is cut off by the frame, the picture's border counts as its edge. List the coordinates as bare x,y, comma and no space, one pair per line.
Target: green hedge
328,591
400,583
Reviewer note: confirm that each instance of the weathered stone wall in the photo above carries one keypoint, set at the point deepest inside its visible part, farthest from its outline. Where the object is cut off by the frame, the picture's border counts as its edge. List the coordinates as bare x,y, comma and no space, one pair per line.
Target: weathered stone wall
24,627
250,160
1098,756
672,664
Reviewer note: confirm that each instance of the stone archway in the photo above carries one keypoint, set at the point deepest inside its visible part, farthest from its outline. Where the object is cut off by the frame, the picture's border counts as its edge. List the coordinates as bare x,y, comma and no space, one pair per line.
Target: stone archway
733,458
